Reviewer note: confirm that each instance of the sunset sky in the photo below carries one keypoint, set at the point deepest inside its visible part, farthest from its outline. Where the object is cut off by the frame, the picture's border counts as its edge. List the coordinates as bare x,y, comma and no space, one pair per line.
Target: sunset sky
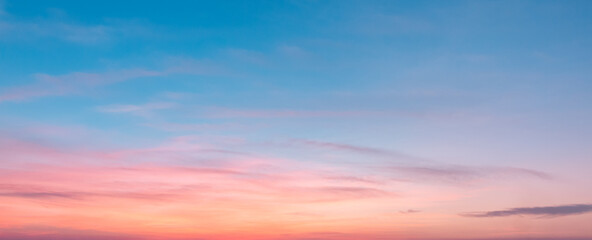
295,120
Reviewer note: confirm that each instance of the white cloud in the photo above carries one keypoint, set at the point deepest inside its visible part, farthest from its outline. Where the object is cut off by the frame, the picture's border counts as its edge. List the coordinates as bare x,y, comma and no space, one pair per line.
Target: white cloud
60,27
71,83
78,82
141,110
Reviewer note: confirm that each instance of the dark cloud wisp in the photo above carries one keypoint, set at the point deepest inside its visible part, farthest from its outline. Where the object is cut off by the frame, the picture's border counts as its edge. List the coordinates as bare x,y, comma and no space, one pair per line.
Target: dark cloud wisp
549,211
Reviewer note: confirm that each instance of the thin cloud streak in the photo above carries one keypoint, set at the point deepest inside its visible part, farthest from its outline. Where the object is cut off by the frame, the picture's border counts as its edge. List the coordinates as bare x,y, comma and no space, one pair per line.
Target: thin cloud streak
78,82
61,28
345,147
145,110
417,169
350,148
130,108
236,113
192,127
40,195
72,83
550,211
410,211
37,232
295,120
240,174
461,175
219,112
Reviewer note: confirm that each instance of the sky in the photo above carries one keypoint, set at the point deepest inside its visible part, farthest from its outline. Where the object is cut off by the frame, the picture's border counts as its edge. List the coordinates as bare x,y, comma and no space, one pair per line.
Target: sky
295,120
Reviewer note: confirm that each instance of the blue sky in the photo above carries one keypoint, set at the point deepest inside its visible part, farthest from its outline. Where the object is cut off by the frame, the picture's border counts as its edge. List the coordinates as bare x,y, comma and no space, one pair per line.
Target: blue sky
490,85
502,58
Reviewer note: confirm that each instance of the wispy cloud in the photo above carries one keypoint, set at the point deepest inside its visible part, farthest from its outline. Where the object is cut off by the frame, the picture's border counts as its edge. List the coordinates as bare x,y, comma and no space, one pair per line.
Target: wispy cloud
37,232
70,32
341,146
240,113
57,194
140,110
222,112
380,24
409,211
160,172
336,193
78,82
453,174
190,127
550,211
419,169
72,83
38,195
292,51
60,27
461,174
247,56
351,148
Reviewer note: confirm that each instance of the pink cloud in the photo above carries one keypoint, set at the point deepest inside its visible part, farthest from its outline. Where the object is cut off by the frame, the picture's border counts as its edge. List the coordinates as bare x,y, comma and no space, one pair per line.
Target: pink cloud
73,175
169,188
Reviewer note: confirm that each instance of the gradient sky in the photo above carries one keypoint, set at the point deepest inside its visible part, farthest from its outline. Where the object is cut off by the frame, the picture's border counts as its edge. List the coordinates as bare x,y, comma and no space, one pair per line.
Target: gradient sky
294,120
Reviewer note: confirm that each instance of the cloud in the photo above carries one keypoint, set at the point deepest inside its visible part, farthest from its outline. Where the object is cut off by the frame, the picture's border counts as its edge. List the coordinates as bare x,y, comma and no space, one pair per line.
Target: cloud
72,83
459,174
39,195
381,24
53,196
140,110
57,26
337,193
352,179
350,148
217,112
190,127
55,29
293,51
221,112
550,211
343,147
46,232
247,56
183,181
34,171
439,172
77,82
409,211
239,113
424,170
